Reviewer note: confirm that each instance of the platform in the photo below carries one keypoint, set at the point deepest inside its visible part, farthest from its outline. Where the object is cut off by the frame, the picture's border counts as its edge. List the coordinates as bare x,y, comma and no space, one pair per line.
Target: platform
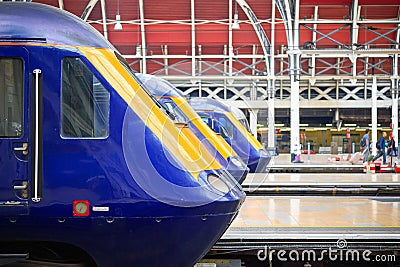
315,168
318,163
366,184
281,221
282,178
315,159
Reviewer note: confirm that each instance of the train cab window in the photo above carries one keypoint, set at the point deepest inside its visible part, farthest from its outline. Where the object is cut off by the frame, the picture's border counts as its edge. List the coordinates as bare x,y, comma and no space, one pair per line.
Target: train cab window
85,103
11,97
205,120
245,123
172,108
226,127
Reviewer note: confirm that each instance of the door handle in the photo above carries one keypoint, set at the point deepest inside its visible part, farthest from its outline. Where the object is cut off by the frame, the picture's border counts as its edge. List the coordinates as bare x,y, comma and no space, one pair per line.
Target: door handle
23,148
21,187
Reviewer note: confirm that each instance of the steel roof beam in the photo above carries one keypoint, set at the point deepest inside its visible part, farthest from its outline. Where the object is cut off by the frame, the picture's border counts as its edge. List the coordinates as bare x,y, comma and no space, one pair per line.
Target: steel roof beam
314,42
377,66
395,86
249,67
262,36
104,18
365,21
398,29
396,56
172,67
380,35
355,17
212,66
285,78
88,10
348,53
331,66
327,36
143,35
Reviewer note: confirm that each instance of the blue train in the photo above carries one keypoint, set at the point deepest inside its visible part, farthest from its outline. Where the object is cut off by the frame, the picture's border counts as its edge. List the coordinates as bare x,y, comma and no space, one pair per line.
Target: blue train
241,118
174,101
222,120
93,172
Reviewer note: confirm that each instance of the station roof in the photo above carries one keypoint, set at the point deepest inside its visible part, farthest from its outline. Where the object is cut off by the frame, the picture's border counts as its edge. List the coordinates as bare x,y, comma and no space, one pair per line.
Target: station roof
168,23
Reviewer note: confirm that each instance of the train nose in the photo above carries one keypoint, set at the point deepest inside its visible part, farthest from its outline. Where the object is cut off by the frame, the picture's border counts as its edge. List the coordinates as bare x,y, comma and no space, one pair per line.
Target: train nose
188,238
196,230
218,214
259,161
237,168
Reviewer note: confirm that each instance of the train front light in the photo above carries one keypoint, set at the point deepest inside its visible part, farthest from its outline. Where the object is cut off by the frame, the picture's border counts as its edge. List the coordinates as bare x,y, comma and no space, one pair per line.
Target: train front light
216,182
236,161
263,153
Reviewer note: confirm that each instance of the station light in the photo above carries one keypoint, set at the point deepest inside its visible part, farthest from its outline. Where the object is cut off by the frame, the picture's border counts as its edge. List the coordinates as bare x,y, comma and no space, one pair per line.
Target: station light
118,25
138,54
235,24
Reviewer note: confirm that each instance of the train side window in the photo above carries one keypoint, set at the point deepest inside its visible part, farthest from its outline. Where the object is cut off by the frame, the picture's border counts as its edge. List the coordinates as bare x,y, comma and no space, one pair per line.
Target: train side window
11,97
85,102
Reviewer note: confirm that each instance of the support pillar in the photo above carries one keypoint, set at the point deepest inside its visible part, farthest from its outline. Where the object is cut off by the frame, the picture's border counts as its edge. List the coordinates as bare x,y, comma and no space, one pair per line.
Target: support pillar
193,25
230,40
294,119
374,116
395,110
143,35
271,86
253,121
271,116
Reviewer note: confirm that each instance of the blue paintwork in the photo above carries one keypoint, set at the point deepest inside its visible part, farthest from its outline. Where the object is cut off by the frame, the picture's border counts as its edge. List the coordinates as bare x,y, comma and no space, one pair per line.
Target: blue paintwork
256,160
130,171
16,164
47,24
162,88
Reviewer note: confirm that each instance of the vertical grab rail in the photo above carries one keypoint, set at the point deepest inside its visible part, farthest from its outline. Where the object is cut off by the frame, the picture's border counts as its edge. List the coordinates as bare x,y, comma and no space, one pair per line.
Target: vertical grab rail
36,197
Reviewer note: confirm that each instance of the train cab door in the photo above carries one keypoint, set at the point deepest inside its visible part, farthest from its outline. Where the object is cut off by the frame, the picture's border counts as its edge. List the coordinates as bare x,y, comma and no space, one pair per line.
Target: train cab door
15,131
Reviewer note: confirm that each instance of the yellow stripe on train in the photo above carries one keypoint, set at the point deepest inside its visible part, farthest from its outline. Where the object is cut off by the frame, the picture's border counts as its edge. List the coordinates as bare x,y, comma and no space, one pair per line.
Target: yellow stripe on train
183,144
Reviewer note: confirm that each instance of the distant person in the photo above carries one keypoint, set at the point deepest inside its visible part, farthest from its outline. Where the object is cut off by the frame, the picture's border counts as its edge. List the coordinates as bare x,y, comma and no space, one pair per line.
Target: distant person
259,137
365,145
392,150
381,145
